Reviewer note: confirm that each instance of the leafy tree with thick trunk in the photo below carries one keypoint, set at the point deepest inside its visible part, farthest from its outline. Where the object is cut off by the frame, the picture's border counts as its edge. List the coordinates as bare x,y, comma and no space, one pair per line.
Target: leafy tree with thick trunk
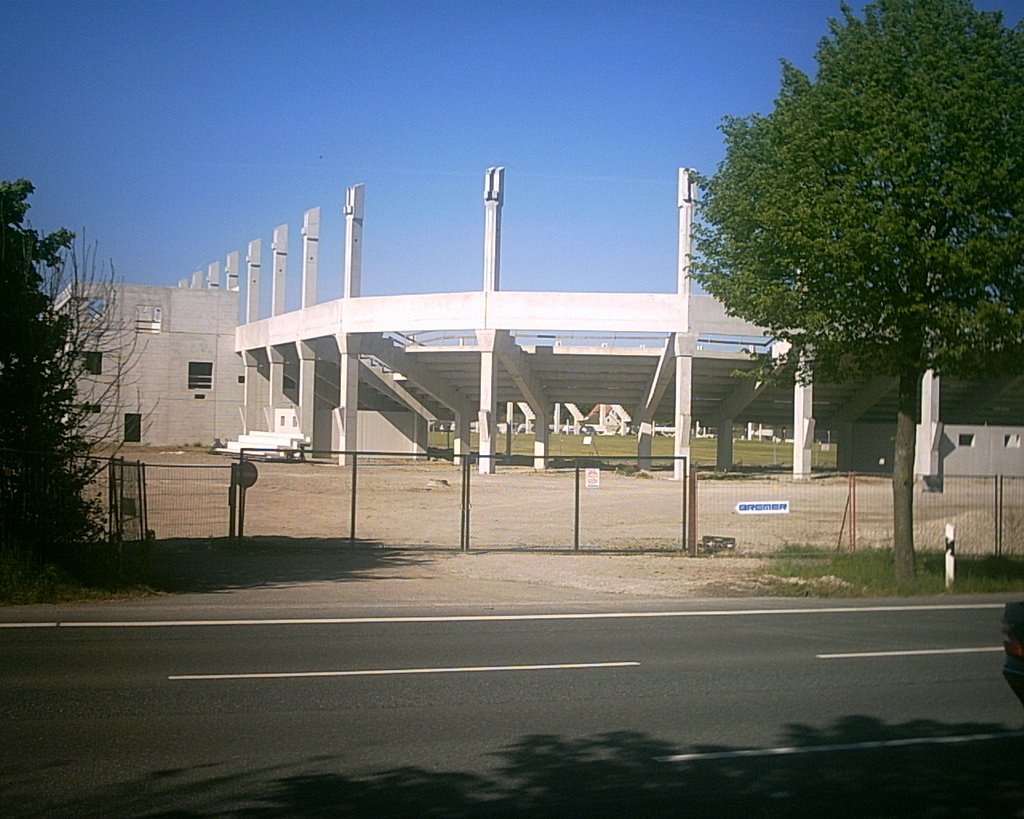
875,218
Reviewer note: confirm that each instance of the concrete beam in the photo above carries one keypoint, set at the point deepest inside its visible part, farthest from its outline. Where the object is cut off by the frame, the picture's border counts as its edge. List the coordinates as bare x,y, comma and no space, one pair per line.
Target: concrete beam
434,385
386,383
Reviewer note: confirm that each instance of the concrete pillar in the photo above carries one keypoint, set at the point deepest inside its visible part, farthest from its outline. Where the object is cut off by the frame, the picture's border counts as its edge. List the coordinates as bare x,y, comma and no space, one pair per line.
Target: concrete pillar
231,271
558,419
723,446
687,198
355,204
310,257
540,438
280,248
460,444
684,411
510,425
307,381
252,414
487,420
344,429
277,396
494,197
929,430
644,442
252,302
213,276
803,422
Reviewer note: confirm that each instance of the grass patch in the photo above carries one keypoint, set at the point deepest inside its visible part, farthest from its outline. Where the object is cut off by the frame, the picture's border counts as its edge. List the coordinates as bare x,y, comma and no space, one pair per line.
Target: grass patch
25,581
871,573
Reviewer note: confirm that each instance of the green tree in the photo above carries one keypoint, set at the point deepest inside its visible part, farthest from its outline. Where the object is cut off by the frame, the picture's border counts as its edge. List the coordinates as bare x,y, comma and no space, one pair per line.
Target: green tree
44,510
875,218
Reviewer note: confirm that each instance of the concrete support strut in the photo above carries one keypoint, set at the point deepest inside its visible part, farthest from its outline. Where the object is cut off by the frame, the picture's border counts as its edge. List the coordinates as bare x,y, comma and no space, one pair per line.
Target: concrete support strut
803,421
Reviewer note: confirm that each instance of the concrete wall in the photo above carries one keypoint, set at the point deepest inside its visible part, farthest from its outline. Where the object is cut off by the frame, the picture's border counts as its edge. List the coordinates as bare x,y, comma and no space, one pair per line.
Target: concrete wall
973,450
964,450
392,432
162,329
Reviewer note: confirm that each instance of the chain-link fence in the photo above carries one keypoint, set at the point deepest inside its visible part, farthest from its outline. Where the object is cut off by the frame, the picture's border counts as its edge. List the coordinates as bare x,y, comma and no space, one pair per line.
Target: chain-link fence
419,500
847,512
188,500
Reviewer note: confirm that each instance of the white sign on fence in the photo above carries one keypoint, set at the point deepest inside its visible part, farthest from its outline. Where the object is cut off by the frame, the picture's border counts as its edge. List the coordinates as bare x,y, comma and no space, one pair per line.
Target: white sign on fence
763,508
593,478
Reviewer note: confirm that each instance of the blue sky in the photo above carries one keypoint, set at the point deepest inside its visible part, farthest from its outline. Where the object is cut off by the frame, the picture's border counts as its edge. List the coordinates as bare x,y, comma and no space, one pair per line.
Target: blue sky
170,133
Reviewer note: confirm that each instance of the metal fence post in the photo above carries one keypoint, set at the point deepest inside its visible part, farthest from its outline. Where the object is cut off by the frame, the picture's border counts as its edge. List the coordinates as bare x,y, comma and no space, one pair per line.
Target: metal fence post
576,510
684,485
352,519
692,533
467,470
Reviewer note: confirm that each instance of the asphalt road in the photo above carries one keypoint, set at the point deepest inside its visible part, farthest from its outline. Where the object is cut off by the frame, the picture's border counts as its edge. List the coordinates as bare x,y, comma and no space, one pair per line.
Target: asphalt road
694,711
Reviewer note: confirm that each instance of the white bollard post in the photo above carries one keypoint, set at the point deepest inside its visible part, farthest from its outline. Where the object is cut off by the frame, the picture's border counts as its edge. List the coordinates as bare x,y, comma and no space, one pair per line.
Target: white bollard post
950,555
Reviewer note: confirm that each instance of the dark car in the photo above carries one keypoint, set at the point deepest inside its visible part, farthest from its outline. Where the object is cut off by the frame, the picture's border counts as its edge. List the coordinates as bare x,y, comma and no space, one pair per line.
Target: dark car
1013,643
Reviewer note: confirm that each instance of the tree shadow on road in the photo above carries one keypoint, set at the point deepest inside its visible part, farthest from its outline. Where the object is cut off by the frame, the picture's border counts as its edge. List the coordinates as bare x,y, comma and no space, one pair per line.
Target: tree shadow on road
223,564
846,769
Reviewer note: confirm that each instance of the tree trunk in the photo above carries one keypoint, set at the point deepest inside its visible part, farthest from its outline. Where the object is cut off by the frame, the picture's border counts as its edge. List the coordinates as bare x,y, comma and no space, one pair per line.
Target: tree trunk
903,476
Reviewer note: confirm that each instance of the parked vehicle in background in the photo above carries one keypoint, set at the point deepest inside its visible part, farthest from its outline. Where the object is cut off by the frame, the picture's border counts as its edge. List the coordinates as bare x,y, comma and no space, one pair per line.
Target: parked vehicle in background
1013,644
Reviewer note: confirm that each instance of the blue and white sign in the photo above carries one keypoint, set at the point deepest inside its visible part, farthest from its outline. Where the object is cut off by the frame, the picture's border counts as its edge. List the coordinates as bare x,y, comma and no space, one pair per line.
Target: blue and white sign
763,508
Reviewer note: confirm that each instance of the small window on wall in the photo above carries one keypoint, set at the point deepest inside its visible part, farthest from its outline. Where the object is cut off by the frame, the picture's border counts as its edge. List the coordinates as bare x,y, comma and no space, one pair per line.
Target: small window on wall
92,362
965,439
1012,441
200,375
132,428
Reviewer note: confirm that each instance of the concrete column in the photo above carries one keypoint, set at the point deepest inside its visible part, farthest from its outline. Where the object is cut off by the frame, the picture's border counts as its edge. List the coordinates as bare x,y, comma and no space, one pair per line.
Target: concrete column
803,422
307,381
310,256
251,416
510,425
487,420
252,302
723,446
558,419
280,248
344,429
644,443
540,438
929,430
213,276
460,444
494,197
684,411
687,198
355,199
277,396
231,271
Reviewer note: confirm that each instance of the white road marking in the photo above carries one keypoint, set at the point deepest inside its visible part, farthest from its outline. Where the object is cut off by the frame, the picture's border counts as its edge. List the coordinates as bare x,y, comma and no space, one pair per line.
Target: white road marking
384,672
849,746
484,618
909,653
